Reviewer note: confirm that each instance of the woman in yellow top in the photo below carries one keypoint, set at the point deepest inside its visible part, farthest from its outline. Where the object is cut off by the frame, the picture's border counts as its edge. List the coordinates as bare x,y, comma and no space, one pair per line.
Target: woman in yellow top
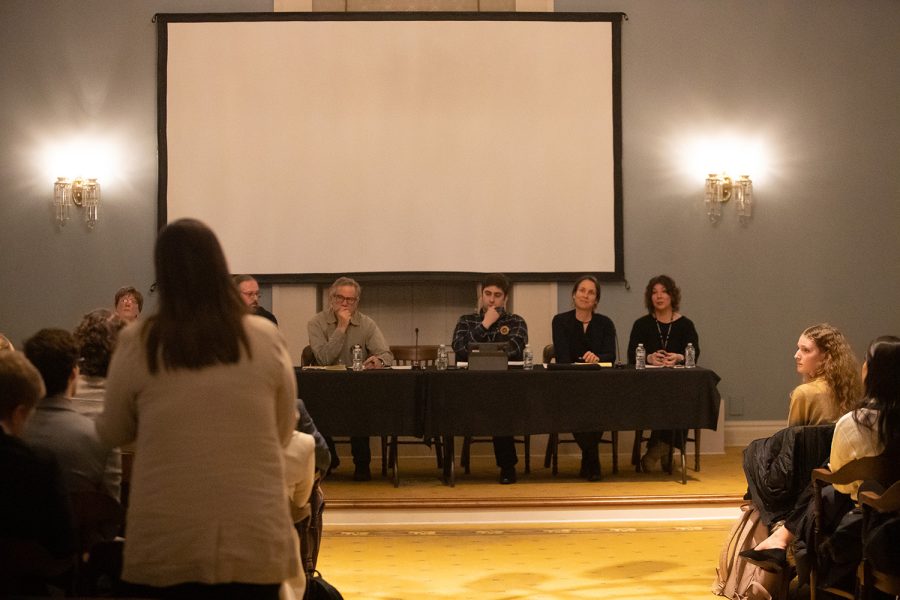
831,384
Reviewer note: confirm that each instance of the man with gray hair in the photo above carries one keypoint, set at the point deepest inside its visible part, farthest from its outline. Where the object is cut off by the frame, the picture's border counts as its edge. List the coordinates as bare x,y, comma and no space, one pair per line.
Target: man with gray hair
332,335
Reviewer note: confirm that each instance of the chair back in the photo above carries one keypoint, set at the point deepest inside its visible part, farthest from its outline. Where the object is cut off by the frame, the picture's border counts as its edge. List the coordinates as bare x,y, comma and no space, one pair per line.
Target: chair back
407,355
549,354
884,468
308,357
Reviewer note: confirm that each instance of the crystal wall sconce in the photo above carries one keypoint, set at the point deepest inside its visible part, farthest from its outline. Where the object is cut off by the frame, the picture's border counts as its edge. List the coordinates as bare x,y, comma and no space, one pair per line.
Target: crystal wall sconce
721,188
81,193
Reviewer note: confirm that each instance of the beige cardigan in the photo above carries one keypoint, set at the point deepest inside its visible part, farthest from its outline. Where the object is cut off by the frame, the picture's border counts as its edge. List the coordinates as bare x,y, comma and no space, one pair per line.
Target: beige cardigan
207,497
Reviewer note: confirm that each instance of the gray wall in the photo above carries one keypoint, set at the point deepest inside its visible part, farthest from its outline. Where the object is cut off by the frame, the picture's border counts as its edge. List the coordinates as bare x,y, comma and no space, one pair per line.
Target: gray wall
816,80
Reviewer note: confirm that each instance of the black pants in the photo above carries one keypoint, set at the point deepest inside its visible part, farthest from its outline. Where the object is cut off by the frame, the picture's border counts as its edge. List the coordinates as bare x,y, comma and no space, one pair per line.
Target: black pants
505,452
589,442
359,448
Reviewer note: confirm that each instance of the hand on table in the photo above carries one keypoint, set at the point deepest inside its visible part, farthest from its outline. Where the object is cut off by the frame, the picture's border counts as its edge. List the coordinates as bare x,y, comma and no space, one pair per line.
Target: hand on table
590,357
373,362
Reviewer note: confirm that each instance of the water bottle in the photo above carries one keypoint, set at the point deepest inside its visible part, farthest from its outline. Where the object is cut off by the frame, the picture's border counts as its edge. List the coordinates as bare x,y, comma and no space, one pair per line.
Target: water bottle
640,357
690,357
357,358
528,358
441,362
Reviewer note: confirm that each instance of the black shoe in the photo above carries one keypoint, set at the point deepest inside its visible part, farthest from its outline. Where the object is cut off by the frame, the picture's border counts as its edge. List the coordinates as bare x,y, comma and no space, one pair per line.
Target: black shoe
508,475
362,473
773,560
594,474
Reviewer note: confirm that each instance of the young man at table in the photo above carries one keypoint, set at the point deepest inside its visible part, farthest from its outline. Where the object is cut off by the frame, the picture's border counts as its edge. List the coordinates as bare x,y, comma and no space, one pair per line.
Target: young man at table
332,335
492,323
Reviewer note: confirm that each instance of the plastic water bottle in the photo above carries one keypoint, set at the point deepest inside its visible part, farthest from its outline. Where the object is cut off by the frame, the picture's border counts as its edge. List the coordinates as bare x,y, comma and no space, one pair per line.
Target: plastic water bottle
528,358
640,357
441,362
690,357
357,358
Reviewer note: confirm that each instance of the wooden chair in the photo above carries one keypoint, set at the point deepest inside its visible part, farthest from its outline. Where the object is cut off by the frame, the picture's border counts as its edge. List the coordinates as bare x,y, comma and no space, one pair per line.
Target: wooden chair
551,455
869,578
416,357
883,469
308,359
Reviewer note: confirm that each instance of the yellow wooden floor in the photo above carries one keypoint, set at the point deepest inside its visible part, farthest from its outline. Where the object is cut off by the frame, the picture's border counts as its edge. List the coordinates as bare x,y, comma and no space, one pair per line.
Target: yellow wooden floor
623,562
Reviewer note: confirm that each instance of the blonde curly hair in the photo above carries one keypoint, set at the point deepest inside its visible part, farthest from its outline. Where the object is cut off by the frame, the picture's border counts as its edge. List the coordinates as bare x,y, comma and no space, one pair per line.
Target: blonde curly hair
838,367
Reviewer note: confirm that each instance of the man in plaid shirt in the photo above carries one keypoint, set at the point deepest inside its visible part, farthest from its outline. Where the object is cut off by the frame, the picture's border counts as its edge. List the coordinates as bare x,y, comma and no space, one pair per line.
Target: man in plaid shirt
493,324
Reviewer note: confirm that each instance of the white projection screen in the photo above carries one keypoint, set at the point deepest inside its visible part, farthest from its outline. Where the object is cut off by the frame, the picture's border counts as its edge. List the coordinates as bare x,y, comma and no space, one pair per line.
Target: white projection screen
397,145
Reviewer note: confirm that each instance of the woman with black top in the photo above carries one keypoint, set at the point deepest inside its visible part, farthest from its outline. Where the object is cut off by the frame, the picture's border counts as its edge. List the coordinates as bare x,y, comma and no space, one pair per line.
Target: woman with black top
584,336
665,334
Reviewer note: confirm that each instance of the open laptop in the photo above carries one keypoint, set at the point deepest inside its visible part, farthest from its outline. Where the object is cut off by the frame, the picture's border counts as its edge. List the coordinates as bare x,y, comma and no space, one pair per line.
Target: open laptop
488,356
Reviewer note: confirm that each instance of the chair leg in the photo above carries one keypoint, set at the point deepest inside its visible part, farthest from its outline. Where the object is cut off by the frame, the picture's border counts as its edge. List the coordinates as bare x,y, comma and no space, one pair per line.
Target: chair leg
683,466
548,453
528,454
697,450
393,458
636,450
438,451
464,454
615,451
384,457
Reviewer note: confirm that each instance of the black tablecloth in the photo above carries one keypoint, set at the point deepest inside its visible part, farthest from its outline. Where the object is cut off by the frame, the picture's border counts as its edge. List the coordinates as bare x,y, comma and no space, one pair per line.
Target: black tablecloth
404,402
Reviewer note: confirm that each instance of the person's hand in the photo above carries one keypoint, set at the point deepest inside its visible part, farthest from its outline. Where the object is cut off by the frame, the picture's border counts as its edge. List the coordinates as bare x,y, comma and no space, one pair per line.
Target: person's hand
491,315
373,362
590,357
343,315
672,359
658,358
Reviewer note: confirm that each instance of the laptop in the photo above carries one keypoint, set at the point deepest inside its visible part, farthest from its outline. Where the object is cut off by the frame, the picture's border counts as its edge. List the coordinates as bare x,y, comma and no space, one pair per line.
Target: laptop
488,356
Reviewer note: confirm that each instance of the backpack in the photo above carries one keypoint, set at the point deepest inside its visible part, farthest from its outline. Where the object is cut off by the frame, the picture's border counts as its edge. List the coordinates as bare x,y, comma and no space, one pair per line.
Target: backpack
740,580
319,589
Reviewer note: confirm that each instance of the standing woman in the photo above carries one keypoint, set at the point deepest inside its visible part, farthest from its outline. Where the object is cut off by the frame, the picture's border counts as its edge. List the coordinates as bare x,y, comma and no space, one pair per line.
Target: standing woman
665,334
207,393
584,336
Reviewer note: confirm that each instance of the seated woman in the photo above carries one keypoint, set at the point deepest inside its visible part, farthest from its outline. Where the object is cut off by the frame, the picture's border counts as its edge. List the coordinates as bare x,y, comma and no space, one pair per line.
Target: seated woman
665,334
96,336
866,431
584,336
830,375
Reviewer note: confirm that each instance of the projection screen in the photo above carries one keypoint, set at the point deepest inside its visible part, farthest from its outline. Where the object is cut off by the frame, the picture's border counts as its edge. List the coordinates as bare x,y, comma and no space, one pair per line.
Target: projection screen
407,145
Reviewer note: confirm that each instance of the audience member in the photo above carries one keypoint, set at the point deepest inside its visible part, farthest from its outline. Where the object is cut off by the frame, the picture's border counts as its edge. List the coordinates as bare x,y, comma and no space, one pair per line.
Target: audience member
249,289
665,333
56,426
492,323
96,337
34,503
129,304
584,336
866,431
299,477
831,384
207,393
332,335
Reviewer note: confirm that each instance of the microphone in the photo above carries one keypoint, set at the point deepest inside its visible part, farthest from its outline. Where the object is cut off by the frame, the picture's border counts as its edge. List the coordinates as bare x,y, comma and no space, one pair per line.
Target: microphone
618,364
415,364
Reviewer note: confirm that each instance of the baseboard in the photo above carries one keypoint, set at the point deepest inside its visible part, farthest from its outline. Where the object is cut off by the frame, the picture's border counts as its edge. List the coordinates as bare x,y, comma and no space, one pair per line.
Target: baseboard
741,433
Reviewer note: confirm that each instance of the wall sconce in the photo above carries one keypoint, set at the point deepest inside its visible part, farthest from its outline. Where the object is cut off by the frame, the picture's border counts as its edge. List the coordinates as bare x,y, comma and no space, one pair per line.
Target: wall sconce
78,192
720,189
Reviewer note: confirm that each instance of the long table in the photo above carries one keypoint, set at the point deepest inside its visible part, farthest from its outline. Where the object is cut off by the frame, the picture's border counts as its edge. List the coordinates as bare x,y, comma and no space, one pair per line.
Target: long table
514,402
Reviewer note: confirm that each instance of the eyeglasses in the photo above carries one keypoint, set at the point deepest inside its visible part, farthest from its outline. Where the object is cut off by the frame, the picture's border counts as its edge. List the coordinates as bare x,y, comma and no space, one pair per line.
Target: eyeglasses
344,299
250,294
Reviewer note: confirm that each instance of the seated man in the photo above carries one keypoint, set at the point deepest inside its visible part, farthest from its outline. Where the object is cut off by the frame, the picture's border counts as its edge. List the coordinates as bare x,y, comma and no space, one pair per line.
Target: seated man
332,335
129,304
56,426
34,504
493,324
249,289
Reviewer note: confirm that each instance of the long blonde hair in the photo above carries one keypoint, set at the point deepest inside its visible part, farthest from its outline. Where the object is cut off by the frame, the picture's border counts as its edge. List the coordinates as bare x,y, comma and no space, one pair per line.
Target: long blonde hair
838,367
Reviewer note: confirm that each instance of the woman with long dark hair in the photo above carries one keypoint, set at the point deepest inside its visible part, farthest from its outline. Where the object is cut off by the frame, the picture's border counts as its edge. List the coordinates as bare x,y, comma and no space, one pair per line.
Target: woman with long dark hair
207,393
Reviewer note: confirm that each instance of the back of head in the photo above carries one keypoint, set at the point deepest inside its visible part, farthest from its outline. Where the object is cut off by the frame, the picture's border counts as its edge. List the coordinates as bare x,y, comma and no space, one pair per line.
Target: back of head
838,367
96,336
883,385
200,310
55,354
5,344
20,383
